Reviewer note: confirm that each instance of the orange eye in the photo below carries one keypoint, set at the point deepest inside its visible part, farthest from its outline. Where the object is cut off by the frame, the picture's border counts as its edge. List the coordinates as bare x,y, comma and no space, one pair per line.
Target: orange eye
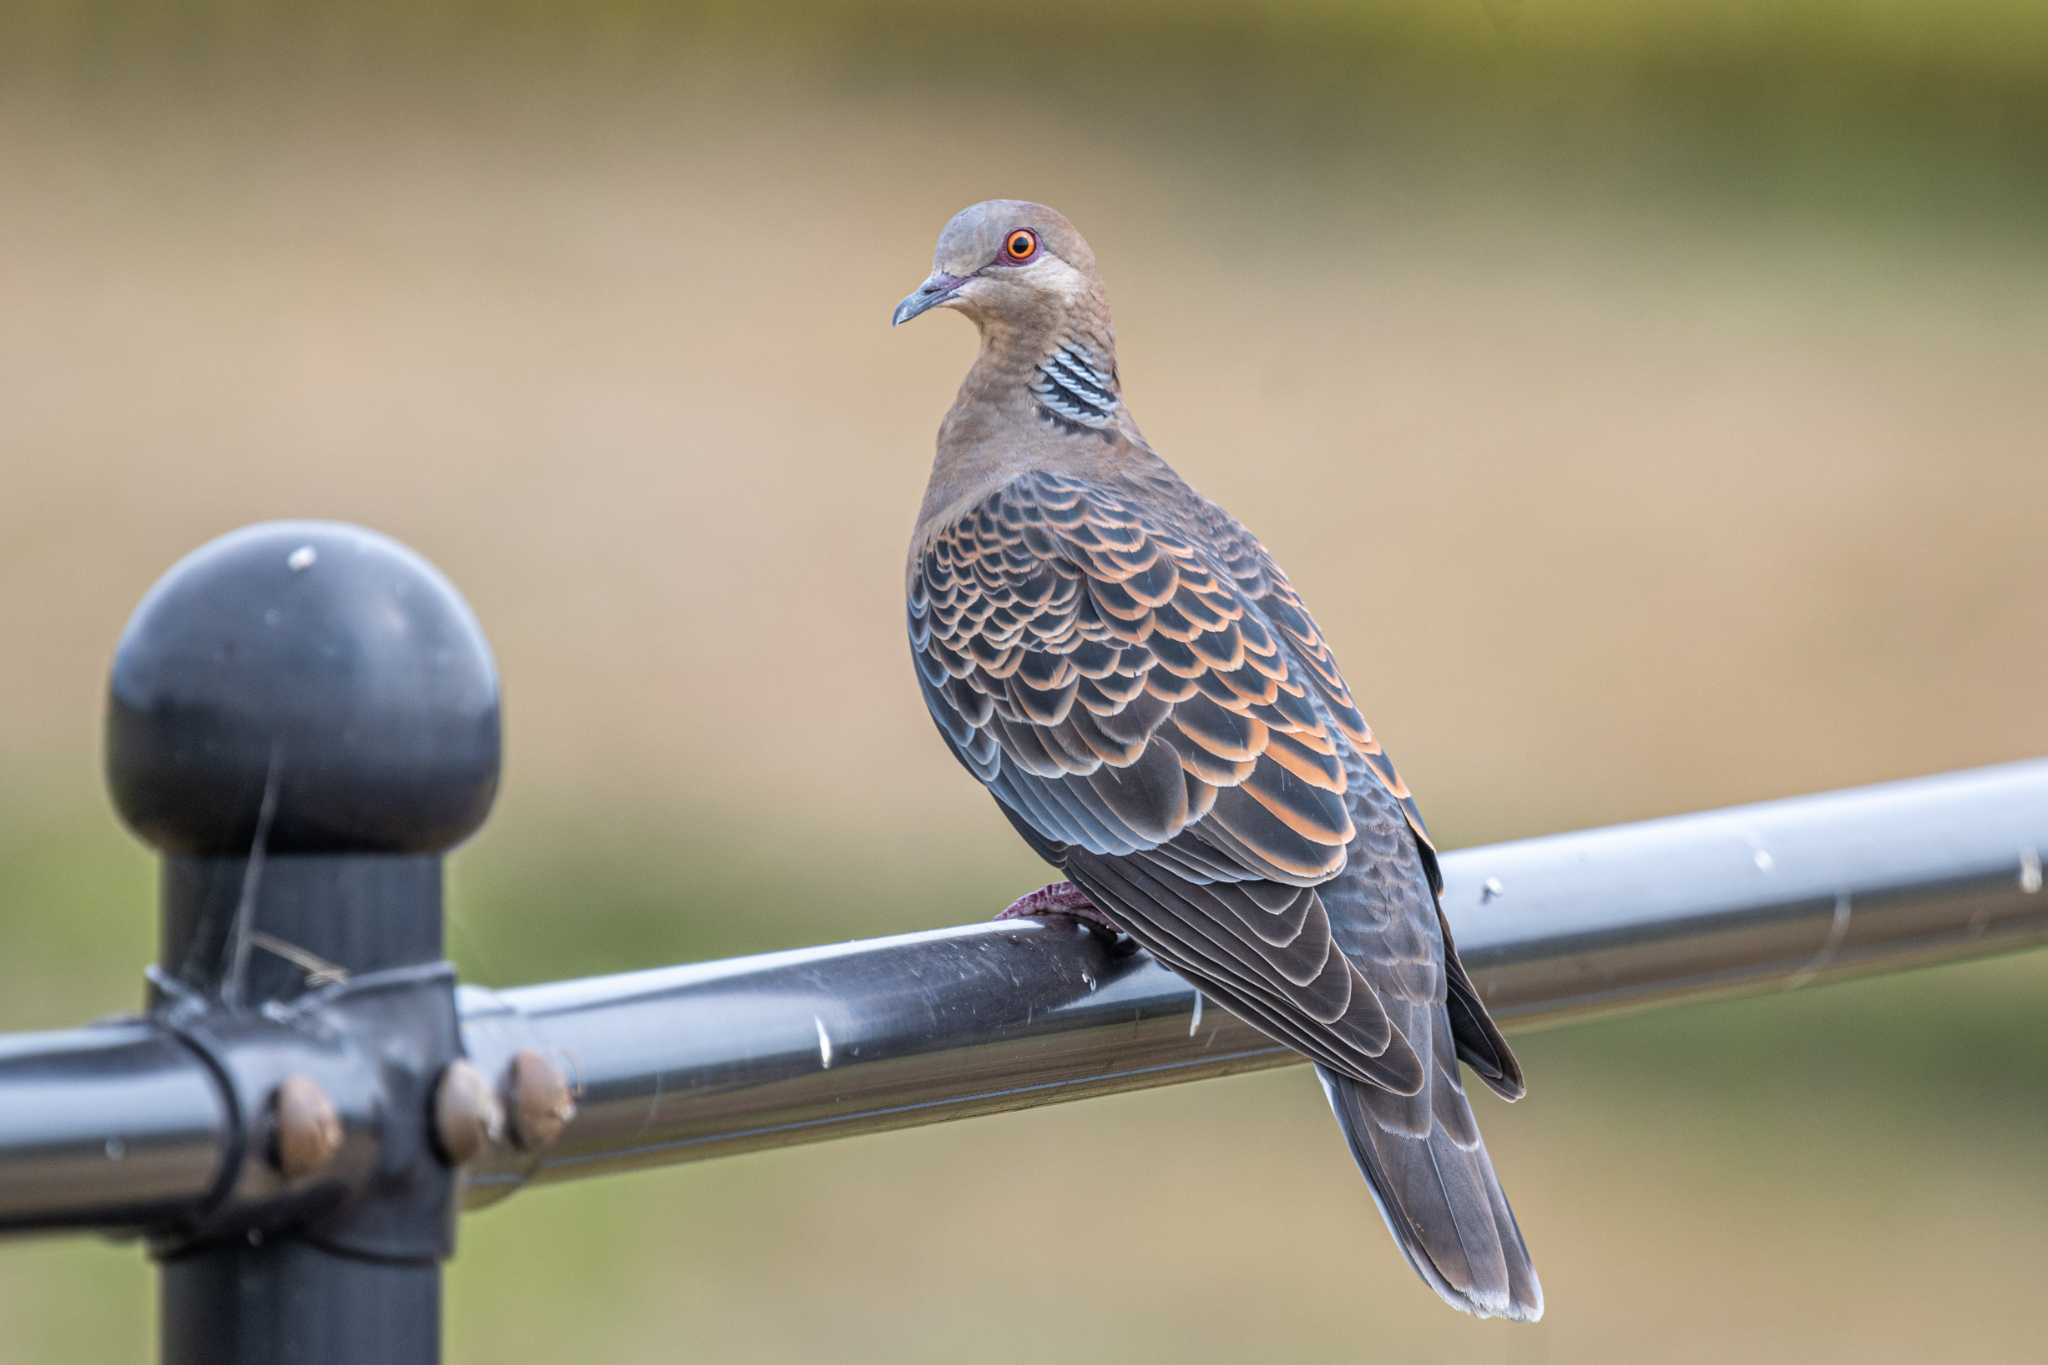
1021,245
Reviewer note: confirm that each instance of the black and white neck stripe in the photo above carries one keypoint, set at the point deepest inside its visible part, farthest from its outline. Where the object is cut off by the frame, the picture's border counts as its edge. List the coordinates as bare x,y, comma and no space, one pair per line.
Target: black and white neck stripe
1073,391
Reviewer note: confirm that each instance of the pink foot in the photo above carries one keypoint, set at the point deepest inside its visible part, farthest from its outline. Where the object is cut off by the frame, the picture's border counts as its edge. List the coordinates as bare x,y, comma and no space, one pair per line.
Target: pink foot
1061,900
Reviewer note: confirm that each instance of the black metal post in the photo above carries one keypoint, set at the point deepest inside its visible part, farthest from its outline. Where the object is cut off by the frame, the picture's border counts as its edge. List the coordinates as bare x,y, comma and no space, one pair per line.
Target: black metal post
304,718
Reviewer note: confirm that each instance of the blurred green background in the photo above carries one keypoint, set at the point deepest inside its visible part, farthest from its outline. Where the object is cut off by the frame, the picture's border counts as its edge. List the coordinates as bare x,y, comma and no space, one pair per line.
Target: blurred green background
1648,395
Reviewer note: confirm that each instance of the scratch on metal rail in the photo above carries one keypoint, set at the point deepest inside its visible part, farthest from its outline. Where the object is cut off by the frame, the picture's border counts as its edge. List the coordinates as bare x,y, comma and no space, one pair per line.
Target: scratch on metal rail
1838,929
240,930
653,1105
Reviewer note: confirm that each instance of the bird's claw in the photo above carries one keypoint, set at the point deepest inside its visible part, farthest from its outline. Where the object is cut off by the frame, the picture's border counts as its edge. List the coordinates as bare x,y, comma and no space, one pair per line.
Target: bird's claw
1062,901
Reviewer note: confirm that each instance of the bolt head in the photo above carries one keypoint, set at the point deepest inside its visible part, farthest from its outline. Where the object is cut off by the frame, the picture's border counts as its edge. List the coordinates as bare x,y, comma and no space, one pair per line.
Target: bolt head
541,1103
467,1117
306,1128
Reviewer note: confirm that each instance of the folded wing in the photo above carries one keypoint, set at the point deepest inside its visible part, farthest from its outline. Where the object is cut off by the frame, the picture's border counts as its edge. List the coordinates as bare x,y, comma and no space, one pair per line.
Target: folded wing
1176,744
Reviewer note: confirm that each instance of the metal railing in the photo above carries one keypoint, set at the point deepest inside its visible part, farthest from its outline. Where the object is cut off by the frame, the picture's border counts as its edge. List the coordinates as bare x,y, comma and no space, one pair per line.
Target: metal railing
305,718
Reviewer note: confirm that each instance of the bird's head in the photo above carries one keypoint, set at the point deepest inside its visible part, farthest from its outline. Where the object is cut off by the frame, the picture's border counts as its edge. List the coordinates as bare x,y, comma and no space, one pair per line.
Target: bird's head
1009,265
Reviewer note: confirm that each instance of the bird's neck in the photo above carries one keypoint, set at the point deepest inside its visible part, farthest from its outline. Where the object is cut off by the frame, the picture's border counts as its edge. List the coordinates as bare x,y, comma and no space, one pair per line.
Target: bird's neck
1058,372
1042,395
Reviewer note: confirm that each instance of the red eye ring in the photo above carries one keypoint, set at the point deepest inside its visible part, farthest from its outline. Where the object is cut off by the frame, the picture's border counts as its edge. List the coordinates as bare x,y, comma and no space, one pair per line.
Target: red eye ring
1020,246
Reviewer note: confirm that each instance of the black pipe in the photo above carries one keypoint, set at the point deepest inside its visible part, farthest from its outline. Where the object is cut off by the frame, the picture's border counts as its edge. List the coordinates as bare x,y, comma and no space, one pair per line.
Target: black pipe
303,719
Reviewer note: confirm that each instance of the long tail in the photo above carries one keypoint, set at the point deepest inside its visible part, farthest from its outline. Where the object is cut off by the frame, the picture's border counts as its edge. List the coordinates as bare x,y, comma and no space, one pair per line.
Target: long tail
1429,1173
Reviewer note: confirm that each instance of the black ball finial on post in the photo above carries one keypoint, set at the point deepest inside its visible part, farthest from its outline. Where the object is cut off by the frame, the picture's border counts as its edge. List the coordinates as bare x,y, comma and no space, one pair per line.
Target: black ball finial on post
304,718
323,657
316,697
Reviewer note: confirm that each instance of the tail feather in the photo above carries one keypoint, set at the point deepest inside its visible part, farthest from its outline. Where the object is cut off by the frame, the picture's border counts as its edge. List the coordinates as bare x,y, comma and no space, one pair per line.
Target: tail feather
1480,1045
1440,1197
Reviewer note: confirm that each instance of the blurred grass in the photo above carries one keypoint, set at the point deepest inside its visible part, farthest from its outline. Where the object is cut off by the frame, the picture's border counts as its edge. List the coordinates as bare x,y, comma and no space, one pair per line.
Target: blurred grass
1905,109
1641,45
1647,396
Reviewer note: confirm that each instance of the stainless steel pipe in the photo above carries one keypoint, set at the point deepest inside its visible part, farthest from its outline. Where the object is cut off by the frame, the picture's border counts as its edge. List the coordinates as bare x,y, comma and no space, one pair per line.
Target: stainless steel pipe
699,1061
118,1126
121,1126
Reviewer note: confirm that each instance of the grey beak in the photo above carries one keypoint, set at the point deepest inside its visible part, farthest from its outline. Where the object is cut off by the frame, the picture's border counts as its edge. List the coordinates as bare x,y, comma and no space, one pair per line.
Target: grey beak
937,288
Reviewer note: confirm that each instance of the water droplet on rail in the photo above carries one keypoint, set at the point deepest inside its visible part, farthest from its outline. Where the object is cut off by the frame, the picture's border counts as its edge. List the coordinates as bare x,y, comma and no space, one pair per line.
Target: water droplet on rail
1764,861
116,1149
301,559
1491,891
824,1043
2030,870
